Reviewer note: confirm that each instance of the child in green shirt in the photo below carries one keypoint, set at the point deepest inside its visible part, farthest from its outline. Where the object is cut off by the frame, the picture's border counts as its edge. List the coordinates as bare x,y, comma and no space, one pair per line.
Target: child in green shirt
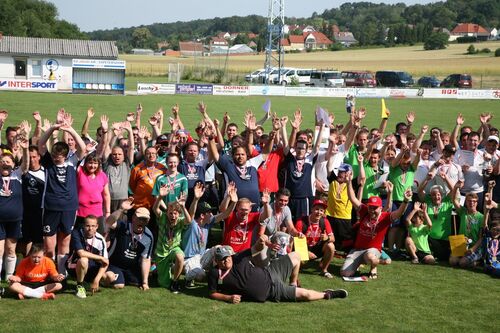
417,243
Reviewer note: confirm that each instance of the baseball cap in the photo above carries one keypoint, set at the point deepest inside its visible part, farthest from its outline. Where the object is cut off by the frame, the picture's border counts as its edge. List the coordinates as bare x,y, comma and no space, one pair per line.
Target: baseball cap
161,138
344,167
142,212
203,207
493,138
450,149
222,252
321,203
374,201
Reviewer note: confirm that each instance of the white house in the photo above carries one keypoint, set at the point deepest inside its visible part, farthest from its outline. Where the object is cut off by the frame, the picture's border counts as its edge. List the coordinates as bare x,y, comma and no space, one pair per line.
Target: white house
48,64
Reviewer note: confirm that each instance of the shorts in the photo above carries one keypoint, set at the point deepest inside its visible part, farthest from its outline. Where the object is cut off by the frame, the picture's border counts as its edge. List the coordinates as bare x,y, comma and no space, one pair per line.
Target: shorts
421,255
440,248
474,256
32,226
299,207
127,277
193,269
92,270
342,230
356,257
280,270
11,229
318,248
164,267
54,221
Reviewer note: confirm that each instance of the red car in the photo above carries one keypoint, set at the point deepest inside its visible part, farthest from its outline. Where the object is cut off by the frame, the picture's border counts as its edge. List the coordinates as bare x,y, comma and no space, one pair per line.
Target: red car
359,79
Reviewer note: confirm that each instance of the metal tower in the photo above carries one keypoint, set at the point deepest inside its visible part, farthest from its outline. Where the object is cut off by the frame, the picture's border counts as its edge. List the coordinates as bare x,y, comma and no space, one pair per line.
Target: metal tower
275,24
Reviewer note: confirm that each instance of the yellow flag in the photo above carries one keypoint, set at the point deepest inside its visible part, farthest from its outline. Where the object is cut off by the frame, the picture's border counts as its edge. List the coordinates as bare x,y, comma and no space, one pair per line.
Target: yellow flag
300,245
384,110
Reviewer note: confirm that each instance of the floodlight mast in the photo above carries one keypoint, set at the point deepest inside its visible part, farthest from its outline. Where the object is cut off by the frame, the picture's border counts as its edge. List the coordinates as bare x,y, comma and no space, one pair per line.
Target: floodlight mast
275,32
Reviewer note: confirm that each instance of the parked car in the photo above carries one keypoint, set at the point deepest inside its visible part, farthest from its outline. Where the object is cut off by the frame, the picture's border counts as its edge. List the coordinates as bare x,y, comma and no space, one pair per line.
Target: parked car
457,81
326,79
393,79
359,79
428,82
254,76
303,76
272,74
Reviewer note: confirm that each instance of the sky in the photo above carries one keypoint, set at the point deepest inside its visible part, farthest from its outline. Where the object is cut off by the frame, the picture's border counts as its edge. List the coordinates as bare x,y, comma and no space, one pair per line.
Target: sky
92,15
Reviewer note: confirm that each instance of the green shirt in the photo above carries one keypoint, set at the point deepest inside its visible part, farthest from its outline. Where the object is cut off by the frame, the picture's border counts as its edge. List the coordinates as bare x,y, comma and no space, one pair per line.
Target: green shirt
401,181
352,159
168,237
177,185
470,224
420,236
372,177
441,221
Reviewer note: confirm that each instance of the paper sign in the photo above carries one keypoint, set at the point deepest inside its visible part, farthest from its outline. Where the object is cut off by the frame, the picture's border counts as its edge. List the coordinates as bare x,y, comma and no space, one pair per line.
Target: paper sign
465,157
458,245
354,278
322,115
300,245
381,180
384,110
267,106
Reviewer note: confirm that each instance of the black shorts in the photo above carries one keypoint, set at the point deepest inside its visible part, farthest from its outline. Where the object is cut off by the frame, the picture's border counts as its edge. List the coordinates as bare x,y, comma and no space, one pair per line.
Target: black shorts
280,270
91,271
10,229
54,221
421,255
126,276
317,249
344,235
440,248
32,226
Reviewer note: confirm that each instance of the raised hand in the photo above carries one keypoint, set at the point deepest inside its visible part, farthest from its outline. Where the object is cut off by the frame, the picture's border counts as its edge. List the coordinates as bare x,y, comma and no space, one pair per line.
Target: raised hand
361,158
297,119
389,186
3,115
485,117
408,194
90,112
175,110
417,206
46,125
226,118
60,116
37,116
283,121
460,119
127,204
266,196
181,199
117,128
130,116
164,190
202,108
424,129
199,189
153,120
104,123
139,108
410,117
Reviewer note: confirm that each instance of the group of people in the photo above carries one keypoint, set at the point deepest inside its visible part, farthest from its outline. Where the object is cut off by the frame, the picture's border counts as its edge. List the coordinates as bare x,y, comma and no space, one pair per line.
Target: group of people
135,202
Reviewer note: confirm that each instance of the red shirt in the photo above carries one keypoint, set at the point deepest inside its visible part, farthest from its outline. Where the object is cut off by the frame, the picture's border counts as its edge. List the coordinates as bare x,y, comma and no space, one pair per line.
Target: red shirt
238,234
268,171
371,233
314,231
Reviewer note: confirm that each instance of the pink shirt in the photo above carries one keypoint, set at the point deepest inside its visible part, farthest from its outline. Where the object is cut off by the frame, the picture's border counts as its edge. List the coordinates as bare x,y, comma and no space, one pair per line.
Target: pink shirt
90,193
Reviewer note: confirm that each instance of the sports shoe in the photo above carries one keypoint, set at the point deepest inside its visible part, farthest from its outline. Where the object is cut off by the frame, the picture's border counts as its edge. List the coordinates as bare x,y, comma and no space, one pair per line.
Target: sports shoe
175,287
190,284
339,293
47,296
80,291
2,291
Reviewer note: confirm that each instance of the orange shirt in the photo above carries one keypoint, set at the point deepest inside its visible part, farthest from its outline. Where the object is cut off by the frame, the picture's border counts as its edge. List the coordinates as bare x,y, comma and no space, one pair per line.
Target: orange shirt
30,272
142,180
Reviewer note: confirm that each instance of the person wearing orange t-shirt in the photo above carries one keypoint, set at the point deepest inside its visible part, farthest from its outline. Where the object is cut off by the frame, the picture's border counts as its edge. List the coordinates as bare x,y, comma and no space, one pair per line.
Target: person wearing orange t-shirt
36,276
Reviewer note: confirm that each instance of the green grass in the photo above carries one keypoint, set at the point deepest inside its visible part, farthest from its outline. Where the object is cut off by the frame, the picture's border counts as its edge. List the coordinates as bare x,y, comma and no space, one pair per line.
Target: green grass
406,298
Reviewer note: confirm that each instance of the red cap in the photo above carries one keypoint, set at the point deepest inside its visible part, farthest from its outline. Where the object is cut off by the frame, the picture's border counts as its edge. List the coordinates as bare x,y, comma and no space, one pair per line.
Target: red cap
320,203
374,201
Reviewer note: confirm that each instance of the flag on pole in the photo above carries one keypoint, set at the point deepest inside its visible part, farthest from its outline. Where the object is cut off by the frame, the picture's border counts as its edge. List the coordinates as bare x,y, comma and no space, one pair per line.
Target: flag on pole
384,110
267,106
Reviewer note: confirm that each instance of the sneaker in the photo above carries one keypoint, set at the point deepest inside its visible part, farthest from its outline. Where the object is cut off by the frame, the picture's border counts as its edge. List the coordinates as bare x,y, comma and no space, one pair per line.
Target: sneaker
47,296
339,293
190,284
175,287
80,291
2,291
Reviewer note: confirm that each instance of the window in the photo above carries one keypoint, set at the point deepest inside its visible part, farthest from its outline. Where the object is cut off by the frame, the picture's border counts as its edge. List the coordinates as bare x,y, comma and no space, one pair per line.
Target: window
36,68
20,67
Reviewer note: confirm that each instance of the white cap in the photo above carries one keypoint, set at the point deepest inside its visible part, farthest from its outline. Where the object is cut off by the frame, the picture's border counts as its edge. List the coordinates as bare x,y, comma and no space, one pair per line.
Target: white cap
494,138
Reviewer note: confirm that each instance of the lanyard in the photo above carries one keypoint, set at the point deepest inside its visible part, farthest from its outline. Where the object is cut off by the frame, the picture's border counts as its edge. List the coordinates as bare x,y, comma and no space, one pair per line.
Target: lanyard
200,235
133,236
243,171
222,276
6,185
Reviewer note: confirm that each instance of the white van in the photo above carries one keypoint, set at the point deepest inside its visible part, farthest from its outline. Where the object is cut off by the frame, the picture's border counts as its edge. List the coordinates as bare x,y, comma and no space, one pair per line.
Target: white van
254,76
302,76
326,79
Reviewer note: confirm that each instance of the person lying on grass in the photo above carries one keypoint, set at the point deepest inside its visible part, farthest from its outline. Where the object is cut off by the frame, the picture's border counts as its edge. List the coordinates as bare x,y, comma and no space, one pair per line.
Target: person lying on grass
248,276
36,276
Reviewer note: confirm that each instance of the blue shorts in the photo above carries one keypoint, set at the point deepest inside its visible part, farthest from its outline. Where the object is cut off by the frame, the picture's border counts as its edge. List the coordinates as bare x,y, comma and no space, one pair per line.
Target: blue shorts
54,221
126,276
10,230
92,270
32,226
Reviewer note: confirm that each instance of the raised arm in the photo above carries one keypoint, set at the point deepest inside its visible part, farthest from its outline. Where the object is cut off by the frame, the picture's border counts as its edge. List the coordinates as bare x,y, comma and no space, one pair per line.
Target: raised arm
402,208
85,126
454,194
420,138
454,135
297,120
38,128
317,143
350,192
112,219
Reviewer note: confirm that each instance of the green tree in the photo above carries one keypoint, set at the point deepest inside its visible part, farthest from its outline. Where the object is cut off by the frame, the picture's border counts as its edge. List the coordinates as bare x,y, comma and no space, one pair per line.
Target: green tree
142,38
436,41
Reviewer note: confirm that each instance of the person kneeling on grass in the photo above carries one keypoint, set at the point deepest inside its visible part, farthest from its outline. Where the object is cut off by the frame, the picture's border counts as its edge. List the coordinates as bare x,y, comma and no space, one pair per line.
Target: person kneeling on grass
36,276
319,236
131,248
248,276
417,243
89,256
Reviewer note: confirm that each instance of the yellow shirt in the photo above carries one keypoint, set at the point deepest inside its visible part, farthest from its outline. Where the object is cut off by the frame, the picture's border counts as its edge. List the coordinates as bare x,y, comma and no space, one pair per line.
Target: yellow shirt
339,205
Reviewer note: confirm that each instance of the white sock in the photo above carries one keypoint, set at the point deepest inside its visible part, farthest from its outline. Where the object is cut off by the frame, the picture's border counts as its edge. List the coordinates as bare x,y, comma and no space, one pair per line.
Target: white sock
34,293
61,264
10,266
1,267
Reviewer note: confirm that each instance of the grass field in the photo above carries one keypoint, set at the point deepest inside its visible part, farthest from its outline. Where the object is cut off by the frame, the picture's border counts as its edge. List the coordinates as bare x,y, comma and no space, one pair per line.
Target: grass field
406,298
484,68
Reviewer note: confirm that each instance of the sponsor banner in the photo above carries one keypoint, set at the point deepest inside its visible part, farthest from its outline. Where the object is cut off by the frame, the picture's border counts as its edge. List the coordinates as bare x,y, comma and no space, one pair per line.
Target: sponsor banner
154,88
403,93
232,90
372,92
338,92
478,94
303,91
35,85
99,63
194,89
440,93
267,90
